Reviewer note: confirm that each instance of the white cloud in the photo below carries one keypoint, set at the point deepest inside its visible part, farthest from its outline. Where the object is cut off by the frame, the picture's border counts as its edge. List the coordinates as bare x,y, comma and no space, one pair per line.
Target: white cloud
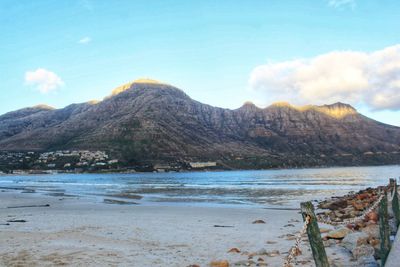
348,76
342,3
85,40
44,80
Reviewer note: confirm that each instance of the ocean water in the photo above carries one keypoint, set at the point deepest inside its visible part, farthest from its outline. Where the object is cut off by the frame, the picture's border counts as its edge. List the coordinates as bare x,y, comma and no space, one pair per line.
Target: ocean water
269,188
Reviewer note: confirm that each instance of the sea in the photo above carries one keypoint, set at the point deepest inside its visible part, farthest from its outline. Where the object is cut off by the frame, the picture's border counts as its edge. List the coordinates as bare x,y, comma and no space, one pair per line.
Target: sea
284,188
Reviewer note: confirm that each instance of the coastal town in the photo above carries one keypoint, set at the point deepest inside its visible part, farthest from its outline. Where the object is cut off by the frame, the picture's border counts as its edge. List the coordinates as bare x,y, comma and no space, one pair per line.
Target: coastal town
78,161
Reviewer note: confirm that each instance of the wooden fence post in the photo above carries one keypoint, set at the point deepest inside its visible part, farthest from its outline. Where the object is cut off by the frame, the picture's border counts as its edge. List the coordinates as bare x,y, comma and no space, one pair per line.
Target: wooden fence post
395,201
384,229
314,235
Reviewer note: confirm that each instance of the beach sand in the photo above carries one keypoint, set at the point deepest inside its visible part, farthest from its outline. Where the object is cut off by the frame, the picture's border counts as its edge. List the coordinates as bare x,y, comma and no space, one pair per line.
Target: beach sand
82,232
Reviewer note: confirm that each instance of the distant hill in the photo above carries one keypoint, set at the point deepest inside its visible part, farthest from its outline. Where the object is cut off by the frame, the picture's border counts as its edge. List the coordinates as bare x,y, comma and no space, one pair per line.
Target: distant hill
150,122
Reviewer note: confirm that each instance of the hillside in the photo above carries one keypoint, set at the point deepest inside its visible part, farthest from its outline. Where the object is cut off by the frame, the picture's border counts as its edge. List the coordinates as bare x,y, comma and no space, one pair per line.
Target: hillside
148,122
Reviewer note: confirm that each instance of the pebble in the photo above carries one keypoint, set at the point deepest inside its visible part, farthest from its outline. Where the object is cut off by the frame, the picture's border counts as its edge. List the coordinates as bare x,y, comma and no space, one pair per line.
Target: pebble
234,250
223,263
289,225
258,221
244,263
262,251
273,253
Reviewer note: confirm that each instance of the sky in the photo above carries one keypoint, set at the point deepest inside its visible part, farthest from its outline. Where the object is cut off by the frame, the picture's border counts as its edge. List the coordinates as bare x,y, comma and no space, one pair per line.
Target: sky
221,53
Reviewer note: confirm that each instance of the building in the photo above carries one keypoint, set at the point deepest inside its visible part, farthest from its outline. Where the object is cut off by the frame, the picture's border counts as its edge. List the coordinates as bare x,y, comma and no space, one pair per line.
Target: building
203,164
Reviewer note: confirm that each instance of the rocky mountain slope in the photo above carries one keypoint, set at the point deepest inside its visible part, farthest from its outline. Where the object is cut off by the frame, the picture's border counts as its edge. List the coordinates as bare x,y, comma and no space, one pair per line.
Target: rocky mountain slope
146,121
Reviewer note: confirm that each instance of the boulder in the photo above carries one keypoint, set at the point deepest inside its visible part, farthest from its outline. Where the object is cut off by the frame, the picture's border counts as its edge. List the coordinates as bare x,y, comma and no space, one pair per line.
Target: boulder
367,261
338,234
372,230
363,251
352,240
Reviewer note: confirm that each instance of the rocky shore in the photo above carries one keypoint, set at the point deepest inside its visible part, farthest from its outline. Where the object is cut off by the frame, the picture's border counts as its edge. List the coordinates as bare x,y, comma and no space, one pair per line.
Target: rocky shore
360,237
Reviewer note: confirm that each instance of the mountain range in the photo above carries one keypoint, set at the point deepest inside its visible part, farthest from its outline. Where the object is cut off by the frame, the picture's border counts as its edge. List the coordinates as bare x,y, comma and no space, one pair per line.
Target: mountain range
150,122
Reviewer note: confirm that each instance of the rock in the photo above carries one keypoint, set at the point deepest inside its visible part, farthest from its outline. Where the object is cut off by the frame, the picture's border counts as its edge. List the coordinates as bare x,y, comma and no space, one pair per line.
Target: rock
241,263
223,263
373,241
234,250
273,253
363,250
338,214
324,230
244,263
358,205
367,261
193,265
258,221
371,230
352,240
338,234
289,225
290,237
271,242
261,252
251,255
372,216
338,204
260,259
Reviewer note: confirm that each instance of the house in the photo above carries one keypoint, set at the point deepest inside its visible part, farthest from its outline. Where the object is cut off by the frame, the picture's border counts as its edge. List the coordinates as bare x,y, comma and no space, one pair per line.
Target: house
203,164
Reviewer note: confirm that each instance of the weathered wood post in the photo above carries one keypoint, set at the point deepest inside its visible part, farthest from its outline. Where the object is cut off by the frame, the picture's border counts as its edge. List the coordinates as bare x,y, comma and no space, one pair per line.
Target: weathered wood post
384,230
395,201
314,235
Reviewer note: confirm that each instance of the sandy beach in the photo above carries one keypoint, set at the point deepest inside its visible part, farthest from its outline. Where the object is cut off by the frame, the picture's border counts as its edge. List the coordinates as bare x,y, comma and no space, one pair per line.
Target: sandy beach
178,220
81,232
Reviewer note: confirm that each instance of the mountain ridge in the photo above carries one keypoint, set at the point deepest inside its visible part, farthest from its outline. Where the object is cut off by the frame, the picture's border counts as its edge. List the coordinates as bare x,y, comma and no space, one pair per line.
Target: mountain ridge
155,122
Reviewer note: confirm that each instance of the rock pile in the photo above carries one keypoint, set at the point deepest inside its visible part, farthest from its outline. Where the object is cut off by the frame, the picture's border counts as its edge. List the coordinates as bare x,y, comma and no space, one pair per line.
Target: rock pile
349,206
360,238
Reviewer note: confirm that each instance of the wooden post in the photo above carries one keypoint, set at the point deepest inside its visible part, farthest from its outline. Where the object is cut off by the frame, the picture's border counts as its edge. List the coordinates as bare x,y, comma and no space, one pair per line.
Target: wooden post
384,229
314,235
395,201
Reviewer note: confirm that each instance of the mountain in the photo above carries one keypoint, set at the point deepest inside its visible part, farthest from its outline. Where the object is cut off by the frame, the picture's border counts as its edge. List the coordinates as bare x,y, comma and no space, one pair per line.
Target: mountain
148,122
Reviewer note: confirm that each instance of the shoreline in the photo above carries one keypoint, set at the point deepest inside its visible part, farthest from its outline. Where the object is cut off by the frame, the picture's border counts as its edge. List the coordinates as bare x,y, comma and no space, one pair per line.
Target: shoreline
52,172
80,232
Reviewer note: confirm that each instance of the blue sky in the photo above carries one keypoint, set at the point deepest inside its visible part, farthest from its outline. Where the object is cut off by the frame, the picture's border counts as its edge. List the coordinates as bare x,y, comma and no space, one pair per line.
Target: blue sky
221,53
